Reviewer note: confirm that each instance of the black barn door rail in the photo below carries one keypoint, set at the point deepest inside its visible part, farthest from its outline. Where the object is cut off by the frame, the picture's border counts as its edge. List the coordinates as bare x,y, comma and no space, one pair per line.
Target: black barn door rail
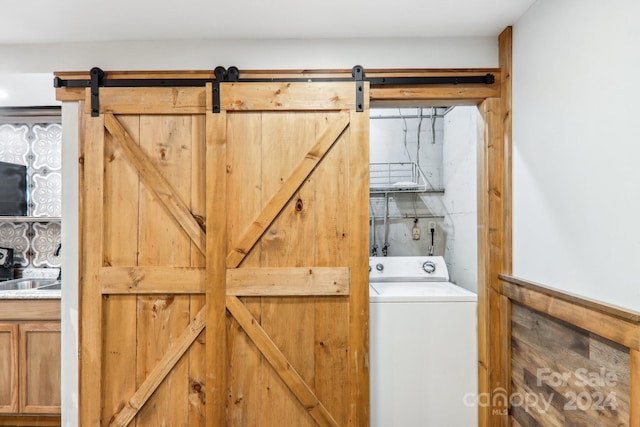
232,74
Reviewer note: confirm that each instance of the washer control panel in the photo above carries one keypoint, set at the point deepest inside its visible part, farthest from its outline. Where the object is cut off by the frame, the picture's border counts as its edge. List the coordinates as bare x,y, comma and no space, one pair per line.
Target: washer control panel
409,268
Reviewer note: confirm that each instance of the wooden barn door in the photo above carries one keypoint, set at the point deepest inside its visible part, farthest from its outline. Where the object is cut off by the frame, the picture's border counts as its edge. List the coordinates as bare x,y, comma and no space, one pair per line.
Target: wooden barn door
142,356
251,223
287,278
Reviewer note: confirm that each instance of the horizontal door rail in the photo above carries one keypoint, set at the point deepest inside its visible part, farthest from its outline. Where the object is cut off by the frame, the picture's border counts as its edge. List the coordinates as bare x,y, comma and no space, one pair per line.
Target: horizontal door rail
104,81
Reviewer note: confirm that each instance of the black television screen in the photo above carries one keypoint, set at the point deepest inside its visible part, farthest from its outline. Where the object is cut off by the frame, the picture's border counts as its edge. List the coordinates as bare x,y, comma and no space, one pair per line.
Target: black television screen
13,189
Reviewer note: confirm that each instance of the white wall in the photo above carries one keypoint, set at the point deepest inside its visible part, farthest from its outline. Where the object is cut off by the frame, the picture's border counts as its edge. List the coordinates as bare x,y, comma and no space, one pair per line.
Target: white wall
251,54
69,302
576,149
460,201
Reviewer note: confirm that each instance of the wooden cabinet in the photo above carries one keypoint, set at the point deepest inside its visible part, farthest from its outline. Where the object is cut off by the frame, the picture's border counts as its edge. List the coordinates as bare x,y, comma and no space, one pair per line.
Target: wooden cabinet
29,358
39,368
8,368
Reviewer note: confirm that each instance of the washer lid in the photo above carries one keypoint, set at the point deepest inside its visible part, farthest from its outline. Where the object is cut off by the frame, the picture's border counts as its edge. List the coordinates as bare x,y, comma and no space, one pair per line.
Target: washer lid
418,292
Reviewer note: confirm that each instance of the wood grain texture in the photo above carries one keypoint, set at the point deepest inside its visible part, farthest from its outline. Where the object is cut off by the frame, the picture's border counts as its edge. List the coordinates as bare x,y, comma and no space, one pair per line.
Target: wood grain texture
358,259
618,312
9,368
216,248
156,181
288,242
121,190
91,300
332,249
288,281
198,208
634,388
289,375
505,56
40,309
292,182
40,368
152,280
244,201
497,341
160,371
617,330
572,377
287,96
441,95
151,100
484,363
31,420
162,318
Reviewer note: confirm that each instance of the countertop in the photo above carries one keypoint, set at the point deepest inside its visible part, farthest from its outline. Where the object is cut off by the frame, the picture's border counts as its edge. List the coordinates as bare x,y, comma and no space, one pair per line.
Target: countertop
31,294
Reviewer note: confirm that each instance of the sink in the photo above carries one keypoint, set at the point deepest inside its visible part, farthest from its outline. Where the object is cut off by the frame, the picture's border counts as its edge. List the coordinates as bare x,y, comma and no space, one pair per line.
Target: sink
30,284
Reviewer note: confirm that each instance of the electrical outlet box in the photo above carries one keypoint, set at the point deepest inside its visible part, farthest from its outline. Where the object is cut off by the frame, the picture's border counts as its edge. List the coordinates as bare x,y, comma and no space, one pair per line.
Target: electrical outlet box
415,232
432,226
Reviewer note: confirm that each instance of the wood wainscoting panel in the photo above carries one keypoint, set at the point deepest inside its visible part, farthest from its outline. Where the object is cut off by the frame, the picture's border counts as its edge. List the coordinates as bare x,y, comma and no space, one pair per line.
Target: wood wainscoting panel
564,375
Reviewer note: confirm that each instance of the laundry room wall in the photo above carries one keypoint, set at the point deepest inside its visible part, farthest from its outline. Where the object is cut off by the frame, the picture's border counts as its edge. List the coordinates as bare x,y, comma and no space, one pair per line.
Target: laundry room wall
449,165
462,135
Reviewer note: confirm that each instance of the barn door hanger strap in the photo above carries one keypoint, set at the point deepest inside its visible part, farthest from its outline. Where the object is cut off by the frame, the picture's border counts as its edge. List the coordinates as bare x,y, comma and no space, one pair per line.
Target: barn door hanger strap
232,74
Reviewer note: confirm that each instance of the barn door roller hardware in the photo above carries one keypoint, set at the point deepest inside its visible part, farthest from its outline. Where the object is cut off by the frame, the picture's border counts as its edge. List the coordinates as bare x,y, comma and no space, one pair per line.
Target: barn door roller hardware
232,74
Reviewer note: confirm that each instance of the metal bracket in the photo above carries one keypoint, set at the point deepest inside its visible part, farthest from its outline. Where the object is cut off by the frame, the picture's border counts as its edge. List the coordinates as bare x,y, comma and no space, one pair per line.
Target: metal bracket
222,75
97,76
219,72
358,75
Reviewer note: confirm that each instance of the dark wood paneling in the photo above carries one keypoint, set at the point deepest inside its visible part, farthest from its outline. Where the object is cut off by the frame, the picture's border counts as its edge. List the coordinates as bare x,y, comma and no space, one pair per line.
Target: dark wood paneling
564,375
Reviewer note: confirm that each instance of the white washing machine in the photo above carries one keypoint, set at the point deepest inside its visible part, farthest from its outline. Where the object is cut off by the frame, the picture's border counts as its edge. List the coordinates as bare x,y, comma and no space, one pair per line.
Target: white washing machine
423,345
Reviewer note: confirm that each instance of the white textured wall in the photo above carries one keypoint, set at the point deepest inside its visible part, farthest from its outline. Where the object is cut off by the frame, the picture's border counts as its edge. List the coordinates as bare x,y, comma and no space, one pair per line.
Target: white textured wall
460,199
390,143
576,149
69,302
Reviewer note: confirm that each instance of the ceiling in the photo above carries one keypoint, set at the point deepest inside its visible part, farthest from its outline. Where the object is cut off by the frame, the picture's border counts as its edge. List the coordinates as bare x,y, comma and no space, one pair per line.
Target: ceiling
56,21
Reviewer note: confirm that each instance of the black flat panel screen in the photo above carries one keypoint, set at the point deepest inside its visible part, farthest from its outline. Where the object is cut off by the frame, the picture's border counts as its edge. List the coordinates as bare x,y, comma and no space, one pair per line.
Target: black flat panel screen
13,189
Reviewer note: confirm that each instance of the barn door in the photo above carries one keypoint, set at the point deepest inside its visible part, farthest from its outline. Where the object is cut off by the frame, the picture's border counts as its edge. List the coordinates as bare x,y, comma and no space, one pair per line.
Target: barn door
249,223
142,357
287,280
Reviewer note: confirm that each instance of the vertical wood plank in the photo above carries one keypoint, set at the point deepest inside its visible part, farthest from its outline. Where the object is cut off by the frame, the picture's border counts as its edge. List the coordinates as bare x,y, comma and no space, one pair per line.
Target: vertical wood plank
494,254
332,249
634,388
166,141
161,319
91,308
196,355
216,355
359,260
484,383
505,49
244,202
121,249
286,138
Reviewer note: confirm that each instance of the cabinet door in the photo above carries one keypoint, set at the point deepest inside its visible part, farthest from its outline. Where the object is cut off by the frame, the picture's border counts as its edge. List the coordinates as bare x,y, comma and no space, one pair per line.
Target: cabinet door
40,368
8,368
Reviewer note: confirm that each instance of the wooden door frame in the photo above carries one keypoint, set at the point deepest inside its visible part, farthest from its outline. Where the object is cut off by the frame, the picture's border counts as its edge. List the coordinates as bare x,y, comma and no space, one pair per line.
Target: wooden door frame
494,188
